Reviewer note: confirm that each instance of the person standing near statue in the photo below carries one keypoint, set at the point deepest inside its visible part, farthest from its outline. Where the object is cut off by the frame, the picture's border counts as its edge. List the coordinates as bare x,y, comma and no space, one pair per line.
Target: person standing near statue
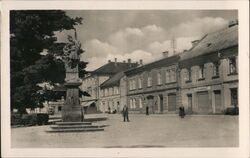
125,113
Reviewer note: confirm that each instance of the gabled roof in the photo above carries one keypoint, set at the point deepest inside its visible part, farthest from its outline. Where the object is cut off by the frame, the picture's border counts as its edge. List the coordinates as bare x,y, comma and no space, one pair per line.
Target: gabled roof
112,68
113,81
156,64
213,42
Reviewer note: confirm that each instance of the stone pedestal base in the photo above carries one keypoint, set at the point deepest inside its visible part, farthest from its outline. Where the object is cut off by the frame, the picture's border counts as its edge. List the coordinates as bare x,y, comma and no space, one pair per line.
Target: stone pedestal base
72,114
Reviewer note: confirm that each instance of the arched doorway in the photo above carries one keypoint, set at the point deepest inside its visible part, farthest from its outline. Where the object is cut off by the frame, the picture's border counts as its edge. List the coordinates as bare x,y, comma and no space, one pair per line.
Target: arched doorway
150,103
160,103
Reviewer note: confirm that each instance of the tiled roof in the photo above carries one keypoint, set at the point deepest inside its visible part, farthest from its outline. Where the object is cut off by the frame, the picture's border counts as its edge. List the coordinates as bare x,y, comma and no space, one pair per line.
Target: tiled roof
112,68
213,42
156,64
113,81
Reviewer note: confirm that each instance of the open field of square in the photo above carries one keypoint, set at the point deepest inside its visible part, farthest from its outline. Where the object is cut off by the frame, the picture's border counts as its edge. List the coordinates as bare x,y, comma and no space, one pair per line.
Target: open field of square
141,131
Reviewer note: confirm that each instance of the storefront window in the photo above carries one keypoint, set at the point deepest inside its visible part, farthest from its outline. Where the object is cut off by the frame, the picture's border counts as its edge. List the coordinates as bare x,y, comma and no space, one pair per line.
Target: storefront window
234,97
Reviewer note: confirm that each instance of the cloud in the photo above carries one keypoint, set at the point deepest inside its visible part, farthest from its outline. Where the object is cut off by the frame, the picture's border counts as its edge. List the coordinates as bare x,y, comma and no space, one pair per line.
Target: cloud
146,42
135,56
97,48
199,27
182,43
130,39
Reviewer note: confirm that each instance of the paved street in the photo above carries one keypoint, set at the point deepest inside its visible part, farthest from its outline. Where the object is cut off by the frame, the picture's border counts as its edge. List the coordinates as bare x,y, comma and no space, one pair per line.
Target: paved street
141,131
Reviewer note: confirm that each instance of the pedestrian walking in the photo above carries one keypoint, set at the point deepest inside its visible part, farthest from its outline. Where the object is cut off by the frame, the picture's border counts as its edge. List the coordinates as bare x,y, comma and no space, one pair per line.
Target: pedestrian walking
147,108
181,111
125,113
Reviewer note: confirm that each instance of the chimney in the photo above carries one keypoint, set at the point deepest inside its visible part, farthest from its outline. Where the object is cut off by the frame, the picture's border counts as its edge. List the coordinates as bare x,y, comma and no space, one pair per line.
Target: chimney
124,61
115,61
109,61
141,62
129,61
195,42
233,23
165,54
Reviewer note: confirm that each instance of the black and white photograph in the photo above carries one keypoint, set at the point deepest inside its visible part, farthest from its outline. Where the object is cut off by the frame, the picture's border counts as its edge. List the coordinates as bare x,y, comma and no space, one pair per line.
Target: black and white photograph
126,79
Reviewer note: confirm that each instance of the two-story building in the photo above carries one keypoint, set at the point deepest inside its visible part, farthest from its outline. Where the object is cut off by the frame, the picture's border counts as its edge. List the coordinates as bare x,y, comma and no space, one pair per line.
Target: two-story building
92,81
112,93
209,73
154,85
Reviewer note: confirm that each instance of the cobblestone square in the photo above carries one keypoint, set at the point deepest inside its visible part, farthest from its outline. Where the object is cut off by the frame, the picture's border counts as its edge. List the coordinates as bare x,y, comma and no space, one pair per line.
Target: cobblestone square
141,131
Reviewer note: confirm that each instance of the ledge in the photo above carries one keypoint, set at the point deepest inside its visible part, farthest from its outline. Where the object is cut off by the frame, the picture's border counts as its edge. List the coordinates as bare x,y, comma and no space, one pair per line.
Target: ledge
201,79
171,83
232,74
214,77
188,81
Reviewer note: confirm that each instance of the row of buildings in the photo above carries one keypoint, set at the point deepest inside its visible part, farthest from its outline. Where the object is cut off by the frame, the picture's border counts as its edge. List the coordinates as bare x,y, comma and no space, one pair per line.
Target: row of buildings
203,79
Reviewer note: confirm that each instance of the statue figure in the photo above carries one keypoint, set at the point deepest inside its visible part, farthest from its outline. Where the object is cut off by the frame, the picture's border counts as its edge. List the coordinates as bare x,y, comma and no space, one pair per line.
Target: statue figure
72,51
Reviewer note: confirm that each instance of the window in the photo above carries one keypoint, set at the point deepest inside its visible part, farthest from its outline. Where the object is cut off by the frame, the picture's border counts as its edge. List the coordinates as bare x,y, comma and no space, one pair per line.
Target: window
106,92
149,80
201,72
234,97
131,103
130,85
139,82
110,91
134,103
59,108
216,69
170,76
134,86
232,65
167,76
159,80
116,90
188,75
173,75
140,103
101,93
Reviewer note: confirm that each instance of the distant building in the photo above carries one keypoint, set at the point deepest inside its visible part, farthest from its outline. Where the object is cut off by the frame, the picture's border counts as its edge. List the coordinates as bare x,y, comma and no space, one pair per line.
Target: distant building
111,92
92,81
154,85
209,73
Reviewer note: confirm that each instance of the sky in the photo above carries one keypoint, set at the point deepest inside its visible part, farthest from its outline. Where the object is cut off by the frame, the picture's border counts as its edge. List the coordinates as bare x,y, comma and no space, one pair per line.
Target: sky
142,34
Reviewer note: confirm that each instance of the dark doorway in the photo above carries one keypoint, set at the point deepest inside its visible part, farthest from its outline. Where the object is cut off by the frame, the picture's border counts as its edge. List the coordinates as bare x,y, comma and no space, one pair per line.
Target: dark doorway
204,104
190,103
234,97
217,100
172,102
150,104
161,103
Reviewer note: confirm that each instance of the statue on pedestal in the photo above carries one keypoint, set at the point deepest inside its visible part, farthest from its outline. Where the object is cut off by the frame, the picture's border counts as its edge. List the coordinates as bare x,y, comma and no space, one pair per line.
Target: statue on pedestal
72,109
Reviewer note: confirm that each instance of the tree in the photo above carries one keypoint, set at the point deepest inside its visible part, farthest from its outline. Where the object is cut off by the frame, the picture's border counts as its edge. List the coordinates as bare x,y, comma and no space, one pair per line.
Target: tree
32,32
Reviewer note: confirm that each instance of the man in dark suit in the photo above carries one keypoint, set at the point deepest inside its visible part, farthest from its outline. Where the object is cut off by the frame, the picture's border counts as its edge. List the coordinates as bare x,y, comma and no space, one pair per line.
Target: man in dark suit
125,113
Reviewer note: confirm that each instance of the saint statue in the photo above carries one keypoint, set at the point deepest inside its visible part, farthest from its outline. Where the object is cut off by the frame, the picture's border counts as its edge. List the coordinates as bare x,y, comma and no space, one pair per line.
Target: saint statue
72,50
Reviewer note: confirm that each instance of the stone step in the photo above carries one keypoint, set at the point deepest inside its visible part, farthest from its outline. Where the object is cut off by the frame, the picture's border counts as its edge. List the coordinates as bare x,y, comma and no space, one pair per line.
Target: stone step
74,126
76,130
73,123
